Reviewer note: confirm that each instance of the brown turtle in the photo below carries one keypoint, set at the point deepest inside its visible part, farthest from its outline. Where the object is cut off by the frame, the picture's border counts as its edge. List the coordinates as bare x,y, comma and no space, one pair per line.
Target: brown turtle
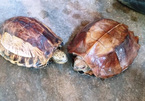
104,48
27,42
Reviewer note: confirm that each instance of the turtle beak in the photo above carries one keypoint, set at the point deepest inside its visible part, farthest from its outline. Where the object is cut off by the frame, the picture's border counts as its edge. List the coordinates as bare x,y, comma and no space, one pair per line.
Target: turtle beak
62,61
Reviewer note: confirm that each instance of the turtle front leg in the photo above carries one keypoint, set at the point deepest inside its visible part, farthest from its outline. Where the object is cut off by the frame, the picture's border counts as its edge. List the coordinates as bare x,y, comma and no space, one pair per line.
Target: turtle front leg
90,72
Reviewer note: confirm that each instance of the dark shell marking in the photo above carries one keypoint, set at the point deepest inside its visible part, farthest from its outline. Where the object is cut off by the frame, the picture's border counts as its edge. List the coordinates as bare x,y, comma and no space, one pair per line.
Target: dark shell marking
33,37
107,47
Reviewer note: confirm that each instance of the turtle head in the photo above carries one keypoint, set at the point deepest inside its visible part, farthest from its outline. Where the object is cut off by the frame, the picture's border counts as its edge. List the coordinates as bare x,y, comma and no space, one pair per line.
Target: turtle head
59,57
80,65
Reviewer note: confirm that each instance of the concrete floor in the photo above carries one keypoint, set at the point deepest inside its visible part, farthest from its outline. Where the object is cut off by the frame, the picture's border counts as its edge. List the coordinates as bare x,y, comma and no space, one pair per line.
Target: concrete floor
59,82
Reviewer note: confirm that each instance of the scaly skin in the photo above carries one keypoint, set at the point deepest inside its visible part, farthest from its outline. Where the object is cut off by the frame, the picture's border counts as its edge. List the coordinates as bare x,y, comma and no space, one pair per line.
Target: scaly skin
59,57
81,66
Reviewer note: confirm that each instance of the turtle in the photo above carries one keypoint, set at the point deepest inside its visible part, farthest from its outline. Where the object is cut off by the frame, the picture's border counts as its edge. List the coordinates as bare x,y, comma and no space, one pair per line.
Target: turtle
27,42
104,48
137,5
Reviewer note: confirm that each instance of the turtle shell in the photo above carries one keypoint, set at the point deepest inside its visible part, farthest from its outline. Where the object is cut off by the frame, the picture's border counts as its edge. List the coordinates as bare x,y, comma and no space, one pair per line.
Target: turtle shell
107,46
27,42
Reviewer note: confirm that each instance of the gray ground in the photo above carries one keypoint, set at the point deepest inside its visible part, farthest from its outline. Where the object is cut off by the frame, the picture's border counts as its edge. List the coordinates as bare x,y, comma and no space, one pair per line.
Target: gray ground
60,82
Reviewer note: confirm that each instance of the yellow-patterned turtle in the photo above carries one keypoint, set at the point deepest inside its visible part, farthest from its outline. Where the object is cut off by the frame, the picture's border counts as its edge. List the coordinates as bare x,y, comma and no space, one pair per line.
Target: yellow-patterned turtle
27,42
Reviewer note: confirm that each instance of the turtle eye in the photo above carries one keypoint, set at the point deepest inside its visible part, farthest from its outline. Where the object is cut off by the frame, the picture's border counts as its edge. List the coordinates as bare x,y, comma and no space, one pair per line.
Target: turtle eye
83,67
